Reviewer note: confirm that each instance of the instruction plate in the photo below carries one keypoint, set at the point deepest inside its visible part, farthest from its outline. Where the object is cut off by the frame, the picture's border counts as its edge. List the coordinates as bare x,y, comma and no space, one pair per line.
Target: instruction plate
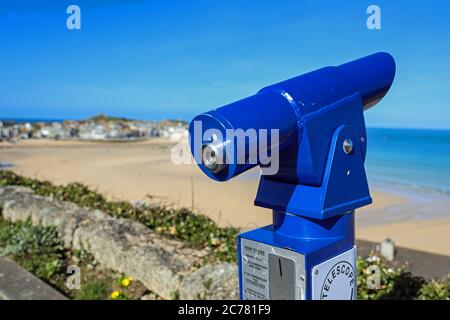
263,264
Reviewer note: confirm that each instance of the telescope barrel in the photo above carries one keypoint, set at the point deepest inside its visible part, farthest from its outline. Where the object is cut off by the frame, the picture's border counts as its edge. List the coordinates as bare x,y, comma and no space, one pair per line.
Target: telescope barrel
372,75
282,106
308,135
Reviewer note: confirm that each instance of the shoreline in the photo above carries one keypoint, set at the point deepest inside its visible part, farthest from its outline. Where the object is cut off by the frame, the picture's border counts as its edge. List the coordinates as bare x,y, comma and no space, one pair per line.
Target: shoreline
134,171
412,204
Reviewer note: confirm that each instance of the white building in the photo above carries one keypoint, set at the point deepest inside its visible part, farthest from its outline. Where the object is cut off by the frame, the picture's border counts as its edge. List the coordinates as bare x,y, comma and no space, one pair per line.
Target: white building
179,134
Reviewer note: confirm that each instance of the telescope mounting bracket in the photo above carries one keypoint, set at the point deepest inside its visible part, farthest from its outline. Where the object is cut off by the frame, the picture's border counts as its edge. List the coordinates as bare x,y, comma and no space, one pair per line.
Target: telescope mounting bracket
344,184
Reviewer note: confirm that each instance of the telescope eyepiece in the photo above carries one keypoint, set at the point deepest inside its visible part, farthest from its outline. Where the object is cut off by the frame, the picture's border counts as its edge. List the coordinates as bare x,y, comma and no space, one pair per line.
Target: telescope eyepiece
213,156
294,108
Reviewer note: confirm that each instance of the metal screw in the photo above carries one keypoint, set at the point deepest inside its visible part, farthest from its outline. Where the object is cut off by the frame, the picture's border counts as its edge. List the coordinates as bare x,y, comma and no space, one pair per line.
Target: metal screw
348,146
317,271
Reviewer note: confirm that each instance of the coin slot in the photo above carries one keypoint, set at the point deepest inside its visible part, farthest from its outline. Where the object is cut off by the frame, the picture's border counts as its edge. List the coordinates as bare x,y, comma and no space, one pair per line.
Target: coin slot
281,278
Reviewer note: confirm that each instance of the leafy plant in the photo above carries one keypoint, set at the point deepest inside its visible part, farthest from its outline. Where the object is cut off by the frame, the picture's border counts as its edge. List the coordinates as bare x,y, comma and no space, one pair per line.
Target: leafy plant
395,283
84,256
175,295
196,230
435,291
93,290
38,249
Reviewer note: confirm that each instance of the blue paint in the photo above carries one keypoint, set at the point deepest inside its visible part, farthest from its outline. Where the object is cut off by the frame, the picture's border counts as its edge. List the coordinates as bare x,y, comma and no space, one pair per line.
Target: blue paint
318,185
316,240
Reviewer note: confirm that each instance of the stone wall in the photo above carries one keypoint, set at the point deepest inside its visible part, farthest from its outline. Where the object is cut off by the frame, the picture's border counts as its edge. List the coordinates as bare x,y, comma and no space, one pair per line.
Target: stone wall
163,265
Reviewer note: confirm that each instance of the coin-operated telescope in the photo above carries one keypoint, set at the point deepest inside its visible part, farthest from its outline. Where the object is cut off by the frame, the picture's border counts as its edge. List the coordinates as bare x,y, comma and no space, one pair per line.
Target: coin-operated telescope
309,137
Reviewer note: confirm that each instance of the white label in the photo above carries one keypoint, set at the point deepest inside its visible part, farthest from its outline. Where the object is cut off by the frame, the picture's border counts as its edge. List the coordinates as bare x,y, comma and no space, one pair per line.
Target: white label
335,279
255,269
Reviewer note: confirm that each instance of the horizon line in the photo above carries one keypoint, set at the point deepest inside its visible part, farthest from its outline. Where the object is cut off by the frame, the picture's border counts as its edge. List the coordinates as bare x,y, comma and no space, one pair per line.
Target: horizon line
51,119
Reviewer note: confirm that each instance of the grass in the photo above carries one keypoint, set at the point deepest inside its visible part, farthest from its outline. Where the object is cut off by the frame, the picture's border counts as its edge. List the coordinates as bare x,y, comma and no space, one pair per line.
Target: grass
94,290
196,230
37,249
40,250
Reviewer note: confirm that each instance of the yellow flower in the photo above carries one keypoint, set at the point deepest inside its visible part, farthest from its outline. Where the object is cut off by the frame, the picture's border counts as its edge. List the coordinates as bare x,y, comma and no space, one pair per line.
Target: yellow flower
115,294
125,282
172,230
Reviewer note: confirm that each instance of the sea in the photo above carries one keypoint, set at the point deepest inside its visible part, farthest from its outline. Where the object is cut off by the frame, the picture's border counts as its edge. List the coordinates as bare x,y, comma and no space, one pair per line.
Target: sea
31,120
416,159
411,163
412,158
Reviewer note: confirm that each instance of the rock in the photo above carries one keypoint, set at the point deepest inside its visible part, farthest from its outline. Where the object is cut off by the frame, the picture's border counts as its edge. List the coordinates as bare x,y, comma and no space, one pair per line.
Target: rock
20,204
211,282
131,248
119,244
166,267
150,296
18,284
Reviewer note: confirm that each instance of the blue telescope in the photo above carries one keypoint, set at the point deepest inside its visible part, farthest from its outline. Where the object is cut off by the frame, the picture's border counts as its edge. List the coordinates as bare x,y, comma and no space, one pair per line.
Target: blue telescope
309,137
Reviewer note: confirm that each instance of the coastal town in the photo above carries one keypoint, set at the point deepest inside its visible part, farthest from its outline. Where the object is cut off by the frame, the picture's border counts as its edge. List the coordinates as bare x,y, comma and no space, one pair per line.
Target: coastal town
100,127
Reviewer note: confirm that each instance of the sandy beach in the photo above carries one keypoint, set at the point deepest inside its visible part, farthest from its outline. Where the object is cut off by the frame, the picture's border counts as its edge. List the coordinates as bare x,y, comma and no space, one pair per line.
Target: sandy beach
144,171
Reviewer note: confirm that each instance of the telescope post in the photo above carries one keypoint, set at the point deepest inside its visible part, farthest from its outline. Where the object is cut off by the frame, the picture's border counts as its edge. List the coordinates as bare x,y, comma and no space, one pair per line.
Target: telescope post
309,251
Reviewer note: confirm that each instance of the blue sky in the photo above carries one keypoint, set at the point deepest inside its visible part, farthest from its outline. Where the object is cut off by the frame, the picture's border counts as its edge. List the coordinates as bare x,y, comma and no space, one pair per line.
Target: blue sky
173,59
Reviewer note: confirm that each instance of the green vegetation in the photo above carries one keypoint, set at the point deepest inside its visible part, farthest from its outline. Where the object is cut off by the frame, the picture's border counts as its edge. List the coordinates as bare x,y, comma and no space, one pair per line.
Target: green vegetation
104,118
94,290
196,230
435,290
39,249
395,283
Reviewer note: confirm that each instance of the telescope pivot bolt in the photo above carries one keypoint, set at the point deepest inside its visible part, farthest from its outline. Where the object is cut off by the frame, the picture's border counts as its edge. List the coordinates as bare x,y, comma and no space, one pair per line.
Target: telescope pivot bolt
320,146
348,146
